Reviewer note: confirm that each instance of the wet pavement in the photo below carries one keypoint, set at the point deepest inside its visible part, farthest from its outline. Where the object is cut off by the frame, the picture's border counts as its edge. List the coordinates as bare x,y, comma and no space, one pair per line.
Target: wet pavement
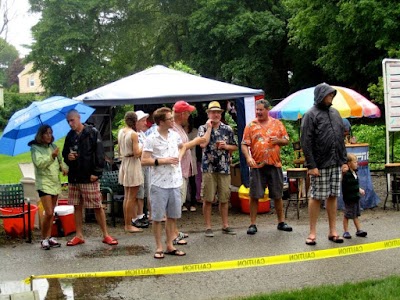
19,260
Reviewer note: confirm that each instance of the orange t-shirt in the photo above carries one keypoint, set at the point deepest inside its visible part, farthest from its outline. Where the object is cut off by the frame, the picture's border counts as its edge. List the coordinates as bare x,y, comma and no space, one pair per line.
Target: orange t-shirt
257,137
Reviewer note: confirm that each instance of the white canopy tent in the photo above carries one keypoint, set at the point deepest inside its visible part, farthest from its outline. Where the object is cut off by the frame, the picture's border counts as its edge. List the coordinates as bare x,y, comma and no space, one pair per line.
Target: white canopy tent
160,84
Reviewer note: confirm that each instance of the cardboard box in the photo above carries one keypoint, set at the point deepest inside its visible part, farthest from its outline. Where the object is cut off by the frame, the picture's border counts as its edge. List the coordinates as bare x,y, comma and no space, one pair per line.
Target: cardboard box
236,179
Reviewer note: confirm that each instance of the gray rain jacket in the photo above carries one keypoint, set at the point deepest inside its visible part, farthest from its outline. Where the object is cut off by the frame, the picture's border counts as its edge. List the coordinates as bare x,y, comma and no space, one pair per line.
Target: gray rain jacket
322,133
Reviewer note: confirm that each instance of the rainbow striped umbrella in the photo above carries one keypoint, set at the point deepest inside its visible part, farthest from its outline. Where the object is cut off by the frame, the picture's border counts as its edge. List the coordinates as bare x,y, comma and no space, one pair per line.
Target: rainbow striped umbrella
349,103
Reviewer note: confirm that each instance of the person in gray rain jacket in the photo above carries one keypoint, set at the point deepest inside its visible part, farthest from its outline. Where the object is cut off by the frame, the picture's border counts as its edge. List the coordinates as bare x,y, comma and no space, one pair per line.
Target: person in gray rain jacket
325,157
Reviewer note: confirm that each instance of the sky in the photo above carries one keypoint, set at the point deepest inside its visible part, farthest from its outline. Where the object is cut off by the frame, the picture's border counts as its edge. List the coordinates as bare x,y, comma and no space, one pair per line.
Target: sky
19,31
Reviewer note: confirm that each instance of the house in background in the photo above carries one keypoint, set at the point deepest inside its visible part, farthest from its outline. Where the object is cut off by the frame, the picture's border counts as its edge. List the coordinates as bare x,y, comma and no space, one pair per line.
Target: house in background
29,82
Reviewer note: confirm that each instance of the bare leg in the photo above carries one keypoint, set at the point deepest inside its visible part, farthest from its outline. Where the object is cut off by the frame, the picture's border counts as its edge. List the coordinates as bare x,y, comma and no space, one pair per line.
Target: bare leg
223,209
331,209
78,214
130,207
170,226
157,230
313,213
48,202
279,210
345,224
207,206
253,210
140,205
357,223
101,220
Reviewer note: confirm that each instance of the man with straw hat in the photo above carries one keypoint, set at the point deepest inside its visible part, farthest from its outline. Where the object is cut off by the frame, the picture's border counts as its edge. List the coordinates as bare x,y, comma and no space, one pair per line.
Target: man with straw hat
216,159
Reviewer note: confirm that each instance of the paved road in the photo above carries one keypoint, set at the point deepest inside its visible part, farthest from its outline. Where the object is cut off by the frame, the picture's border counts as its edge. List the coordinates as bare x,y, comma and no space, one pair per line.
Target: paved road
19,261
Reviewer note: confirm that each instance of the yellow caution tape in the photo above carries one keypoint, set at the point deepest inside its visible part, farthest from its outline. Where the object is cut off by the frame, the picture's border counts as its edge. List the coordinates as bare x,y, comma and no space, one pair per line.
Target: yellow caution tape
234,264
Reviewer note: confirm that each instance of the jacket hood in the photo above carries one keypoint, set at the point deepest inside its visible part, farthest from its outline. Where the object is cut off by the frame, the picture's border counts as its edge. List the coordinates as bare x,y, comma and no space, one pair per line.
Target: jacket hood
321,91
33,142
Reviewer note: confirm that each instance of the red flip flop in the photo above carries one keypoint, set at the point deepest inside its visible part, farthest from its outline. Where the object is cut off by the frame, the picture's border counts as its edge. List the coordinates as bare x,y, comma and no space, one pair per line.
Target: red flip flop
75,241
110,241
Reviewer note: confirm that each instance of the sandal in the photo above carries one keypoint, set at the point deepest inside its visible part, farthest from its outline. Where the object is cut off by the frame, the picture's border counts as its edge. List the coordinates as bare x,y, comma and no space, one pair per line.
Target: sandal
159,255
311,241
110,241
75,241
175,252
178,241
182,235
336,239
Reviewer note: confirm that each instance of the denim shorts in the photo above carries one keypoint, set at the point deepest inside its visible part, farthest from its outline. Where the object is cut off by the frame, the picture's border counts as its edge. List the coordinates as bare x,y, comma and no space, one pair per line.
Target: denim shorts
165,202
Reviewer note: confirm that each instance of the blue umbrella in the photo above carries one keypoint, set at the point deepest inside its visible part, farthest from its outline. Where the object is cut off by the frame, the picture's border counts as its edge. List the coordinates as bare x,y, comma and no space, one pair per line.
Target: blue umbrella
23,124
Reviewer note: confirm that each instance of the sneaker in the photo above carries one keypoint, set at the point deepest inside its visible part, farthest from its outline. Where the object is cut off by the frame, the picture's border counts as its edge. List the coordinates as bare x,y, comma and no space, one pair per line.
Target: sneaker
284,227
347,235
184,208
228,230
209,233
252,229
53,242
193,208
45,244
140,223
361,233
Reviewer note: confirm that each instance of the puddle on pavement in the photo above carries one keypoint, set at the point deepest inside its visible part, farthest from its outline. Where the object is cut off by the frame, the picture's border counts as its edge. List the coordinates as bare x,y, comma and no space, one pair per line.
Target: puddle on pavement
133,250
67,289
78,288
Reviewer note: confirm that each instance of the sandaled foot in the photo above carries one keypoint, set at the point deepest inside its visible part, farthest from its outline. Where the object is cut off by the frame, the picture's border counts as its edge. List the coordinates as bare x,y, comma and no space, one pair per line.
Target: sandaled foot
159,255
179,241
175,252
336,239
110,241
133,229
311,241
361,233
182,235
347,235
75,241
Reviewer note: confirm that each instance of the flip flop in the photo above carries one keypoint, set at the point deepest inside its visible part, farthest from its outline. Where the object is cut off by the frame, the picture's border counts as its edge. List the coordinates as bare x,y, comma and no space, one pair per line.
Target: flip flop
159,255
311,241
336,239
75,241
179,241
110,241
175,252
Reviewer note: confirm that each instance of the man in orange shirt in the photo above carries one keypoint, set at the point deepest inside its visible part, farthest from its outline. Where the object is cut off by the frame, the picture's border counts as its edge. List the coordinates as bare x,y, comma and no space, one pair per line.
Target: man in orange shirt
261,144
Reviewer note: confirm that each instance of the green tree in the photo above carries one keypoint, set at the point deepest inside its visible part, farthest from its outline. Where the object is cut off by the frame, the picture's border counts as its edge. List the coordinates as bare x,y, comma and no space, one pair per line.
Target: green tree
348,38
8,54
76,42
242,42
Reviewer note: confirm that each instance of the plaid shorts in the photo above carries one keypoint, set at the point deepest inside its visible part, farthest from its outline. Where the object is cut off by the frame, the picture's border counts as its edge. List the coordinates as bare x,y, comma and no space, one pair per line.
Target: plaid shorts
327,184
87,194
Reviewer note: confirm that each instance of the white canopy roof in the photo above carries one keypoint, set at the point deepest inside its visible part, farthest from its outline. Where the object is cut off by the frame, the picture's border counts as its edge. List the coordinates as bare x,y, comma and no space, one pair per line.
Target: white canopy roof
160,84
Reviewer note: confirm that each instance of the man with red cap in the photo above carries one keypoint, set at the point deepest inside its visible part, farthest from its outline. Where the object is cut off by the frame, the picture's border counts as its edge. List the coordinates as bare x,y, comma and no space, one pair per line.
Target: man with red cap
181,113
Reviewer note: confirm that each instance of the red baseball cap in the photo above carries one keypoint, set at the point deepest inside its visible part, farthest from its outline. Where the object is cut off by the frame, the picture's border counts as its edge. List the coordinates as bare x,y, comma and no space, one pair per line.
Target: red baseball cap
182,106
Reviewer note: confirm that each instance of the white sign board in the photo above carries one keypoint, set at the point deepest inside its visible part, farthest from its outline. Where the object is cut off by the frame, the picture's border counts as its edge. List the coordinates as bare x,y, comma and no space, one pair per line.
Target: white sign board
391,82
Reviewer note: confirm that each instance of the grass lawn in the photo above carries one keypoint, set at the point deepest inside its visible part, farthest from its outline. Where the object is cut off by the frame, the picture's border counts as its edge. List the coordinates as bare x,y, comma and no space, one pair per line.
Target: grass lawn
9,170
387,288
